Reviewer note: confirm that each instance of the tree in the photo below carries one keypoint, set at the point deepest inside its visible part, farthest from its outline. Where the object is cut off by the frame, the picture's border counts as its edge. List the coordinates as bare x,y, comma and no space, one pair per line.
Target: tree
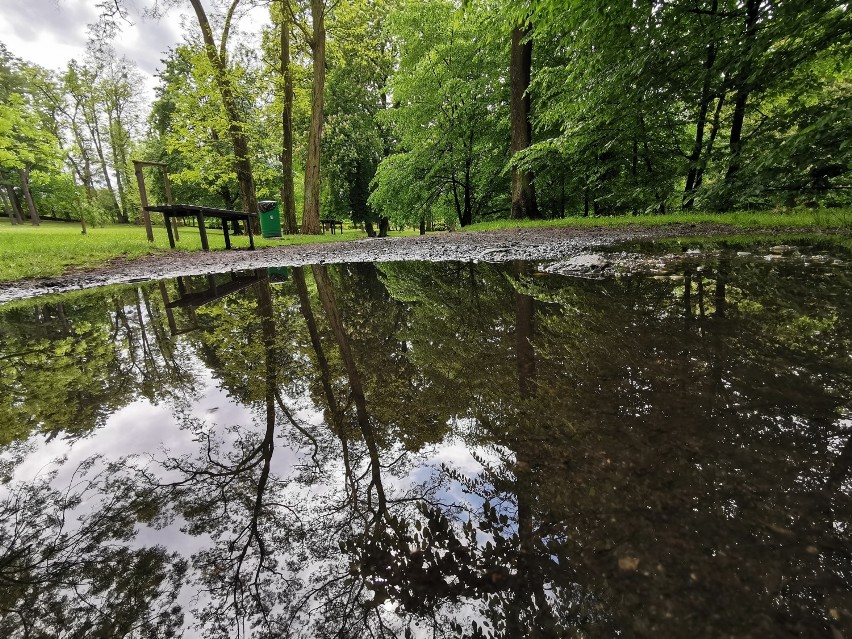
284,15
24,145
218,58
449,100
520,68
360,61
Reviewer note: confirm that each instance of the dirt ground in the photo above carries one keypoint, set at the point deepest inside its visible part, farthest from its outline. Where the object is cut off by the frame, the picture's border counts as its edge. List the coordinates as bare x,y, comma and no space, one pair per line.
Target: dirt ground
537,244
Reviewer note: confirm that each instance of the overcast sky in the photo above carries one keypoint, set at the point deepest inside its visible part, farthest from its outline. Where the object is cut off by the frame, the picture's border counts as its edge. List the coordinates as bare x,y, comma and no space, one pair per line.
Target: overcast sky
52,32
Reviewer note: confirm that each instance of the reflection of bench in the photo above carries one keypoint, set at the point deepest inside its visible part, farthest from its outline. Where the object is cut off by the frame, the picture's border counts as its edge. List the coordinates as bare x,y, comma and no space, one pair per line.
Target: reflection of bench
190,300
331,224
170,211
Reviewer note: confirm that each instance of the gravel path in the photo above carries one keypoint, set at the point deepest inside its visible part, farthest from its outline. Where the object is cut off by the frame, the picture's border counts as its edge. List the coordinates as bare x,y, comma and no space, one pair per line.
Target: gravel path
537,244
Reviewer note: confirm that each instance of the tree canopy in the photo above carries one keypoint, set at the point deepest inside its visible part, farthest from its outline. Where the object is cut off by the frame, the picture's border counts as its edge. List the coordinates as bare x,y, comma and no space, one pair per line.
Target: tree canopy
441,113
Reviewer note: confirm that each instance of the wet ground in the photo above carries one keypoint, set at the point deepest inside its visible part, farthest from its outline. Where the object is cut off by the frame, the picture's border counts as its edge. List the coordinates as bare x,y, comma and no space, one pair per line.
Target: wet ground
449,449
492,246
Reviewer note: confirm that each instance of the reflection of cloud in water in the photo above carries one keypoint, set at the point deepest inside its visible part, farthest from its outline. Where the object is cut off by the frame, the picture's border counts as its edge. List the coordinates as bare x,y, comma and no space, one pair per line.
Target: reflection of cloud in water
140,428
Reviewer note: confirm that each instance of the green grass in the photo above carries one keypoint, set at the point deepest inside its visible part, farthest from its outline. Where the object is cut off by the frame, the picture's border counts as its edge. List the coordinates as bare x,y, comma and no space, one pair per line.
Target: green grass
819,218
833,242
55,248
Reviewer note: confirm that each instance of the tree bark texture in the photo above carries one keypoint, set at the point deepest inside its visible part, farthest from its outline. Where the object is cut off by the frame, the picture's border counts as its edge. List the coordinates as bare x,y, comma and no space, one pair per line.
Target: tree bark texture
9,207
520,69
311,211
94,131
288,196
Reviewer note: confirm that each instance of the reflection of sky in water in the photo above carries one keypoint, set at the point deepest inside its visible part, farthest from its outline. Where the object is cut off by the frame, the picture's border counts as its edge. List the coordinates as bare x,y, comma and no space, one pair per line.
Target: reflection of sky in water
651,440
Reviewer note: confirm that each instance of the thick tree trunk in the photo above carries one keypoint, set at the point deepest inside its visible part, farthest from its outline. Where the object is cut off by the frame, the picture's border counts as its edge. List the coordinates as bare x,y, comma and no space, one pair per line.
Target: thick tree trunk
368,227
311,211
288,196
245,177
25,187
467,213
520,68
384,226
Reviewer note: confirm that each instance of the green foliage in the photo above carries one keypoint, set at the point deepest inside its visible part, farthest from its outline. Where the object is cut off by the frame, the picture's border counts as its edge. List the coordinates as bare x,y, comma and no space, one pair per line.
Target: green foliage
360,60
638,107
24,143
449,117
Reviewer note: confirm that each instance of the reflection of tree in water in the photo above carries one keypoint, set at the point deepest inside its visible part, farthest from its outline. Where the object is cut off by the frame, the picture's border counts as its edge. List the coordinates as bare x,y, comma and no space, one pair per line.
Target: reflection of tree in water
660,485
647,448
72,573
67,365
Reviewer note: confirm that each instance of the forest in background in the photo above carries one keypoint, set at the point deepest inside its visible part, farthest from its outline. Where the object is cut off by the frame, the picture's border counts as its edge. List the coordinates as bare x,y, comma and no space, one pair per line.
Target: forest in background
438,114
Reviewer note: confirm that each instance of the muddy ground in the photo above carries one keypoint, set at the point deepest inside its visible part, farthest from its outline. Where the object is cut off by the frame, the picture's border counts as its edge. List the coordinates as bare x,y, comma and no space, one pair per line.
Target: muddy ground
538,244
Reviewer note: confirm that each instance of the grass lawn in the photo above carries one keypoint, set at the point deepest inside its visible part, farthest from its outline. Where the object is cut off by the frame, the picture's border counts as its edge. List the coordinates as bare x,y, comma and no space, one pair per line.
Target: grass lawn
802,218
55,248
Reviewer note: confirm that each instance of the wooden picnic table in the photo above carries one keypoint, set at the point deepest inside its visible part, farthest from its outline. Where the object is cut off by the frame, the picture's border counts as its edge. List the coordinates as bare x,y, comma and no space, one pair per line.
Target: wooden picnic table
171,211
329,223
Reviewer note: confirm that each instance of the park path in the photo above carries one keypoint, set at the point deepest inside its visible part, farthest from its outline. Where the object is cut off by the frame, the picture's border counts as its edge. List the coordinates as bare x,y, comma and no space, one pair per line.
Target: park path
535,244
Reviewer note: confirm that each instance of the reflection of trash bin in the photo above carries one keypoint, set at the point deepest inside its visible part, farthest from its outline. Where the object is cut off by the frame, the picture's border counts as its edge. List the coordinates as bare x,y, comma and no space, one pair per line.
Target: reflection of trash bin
278,273
270,218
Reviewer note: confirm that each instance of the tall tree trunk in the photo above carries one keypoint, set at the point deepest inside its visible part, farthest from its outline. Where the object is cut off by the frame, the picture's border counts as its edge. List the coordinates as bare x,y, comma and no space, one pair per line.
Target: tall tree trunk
288,196
520,69
94,130
714,131
25,187
236,127
742,92
121,162
311,212
15,201
8,208
119,181
701,121
467,213
86,172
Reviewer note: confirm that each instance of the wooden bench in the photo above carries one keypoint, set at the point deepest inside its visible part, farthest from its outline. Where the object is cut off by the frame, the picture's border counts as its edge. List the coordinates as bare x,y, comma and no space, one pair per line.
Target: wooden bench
171,211
331,224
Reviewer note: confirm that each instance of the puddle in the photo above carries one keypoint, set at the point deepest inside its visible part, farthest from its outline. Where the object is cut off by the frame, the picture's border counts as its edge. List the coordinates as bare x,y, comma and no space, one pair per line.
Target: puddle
434,449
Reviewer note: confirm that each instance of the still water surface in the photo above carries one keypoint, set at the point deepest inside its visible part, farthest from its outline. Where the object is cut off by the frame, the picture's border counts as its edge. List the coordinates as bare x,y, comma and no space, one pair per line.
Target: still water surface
432,450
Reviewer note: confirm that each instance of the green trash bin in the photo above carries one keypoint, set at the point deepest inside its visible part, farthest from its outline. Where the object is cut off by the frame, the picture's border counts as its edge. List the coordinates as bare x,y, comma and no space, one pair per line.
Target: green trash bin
270,218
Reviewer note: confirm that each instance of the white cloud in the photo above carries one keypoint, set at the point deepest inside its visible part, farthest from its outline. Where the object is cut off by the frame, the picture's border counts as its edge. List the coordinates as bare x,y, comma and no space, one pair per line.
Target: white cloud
50,33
